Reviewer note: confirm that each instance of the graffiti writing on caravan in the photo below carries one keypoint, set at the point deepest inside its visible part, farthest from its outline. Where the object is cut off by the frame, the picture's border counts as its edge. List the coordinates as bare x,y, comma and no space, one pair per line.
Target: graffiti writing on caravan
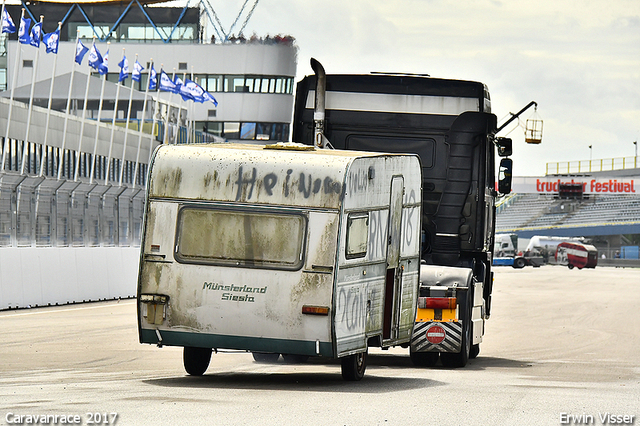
610,186
306,184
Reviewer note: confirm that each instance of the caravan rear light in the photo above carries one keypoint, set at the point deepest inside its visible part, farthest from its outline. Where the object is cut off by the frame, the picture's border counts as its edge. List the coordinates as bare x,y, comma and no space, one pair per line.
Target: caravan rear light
437,302
315,310
156,307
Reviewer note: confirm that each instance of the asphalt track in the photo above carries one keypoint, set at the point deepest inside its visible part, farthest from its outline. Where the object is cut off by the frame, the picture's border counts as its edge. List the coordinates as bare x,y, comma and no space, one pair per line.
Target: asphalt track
561,347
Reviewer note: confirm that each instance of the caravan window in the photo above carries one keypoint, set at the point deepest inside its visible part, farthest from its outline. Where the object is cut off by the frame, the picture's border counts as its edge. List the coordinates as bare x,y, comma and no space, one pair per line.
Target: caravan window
262,239
357,235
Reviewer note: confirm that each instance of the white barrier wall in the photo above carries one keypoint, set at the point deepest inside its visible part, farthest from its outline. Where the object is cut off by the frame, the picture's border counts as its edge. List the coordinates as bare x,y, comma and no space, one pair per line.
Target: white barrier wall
44,276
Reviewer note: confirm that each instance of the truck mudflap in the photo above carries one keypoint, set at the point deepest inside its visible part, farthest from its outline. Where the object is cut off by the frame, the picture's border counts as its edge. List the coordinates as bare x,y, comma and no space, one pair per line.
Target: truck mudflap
435,336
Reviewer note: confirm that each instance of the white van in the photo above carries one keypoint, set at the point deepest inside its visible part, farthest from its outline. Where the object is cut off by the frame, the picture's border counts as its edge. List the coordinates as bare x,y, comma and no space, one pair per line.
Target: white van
281,249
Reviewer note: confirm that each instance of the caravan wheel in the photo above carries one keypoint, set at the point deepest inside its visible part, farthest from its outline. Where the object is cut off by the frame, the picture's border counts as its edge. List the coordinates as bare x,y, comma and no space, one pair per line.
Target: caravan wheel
353,366
196,360
265,357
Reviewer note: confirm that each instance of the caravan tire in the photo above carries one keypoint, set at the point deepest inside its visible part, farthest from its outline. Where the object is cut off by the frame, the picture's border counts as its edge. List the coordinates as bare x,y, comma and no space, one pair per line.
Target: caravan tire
353,366
265,357
196,360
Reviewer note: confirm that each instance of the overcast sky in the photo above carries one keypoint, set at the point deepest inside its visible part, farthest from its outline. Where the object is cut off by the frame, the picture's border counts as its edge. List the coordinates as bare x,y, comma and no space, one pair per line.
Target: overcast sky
580,60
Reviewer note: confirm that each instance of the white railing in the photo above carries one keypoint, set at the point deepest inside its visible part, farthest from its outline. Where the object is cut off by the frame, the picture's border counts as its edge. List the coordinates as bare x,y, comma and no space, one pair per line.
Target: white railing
601,165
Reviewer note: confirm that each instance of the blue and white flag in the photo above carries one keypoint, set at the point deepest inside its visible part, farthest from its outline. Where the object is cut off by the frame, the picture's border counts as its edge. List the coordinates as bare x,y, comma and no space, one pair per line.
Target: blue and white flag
36,34
81,50
7,23
166,84
51,41
207,97
191,90
153,79
103,68
178,82
23,32
124,69
136,75
95,58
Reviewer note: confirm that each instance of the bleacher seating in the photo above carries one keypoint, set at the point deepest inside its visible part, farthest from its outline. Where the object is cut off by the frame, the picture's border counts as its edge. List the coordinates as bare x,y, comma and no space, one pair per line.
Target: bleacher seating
541,211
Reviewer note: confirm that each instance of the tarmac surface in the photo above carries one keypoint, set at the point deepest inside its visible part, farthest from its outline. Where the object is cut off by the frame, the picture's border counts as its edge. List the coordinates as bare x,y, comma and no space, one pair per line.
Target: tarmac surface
562,347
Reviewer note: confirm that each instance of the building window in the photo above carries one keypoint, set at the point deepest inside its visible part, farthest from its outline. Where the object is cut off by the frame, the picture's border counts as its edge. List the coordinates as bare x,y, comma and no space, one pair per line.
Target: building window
182,65
212,113
248,131
27,63
231,130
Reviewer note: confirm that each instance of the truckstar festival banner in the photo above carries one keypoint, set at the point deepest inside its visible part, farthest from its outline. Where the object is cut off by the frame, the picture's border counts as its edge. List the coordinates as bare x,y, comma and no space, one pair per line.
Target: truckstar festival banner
551,184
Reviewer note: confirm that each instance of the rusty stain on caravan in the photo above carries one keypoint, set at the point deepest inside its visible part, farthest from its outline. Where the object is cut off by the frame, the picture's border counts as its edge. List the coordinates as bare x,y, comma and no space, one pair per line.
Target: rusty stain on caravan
168,182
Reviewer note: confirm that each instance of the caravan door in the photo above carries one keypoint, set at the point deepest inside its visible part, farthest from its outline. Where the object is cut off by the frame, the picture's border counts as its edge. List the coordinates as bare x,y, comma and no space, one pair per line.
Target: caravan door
392,288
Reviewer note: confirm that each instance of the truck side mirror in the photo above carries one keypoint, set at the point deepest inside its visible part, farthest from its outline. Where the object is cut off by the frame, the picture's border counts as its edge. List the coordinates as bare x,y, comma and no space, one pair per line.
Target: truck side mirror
504,175
504,147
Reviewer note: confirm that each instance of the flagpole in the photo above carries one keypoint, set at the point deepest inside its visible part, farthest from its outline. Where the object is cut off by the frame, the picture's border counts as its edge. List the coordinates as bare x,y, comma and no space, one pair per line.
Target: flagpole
46,127
13,86
84,116
153,125
68,111
144,111
175,138
113,128
30,110
192,124
126,133
95,143
166,134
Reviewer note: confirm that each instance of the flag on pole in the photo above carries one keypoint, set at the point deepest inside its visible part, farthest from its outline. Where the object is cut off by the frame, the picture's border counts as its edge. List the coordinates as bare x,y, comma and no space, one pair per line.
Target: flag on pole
153,79
36,33
81,50
51,40
190,90
7,23
95,58
136,75
23,32
166,84
103,67
207,97
124,69
178,82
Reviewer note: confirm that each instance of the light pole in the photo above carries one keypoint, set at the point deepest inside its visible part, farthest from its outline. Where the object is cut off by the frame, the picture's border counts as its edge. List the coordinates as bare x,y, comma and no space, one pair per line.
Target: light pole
635,157
590,152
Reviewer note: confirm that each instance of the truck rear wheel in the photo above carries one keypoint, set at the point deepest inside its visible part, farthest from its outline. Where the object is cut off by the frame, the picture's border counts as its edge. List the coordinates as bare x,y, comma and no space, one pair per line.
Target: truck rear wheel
460,359
295,359
353,366
519,263
475,350
196,360
424,359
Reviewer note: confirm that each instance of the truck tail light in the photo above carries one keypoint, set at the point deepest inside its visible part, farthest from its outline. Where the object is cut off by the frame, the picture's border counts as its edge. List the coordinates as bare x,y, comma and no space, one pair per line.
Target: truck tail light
437,302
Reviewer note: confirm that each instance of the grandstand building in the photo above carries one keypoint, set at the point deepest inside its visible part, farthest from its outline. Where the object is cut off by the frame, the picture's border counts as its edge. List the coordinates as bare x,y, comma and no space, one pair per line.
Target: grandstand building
72,185
601,205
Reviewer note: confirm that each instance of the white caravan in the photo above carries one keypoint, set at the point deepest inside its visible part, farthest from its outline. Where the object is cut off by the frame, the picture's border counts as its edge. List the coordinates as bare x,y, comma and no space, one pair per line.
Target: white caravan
282,249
